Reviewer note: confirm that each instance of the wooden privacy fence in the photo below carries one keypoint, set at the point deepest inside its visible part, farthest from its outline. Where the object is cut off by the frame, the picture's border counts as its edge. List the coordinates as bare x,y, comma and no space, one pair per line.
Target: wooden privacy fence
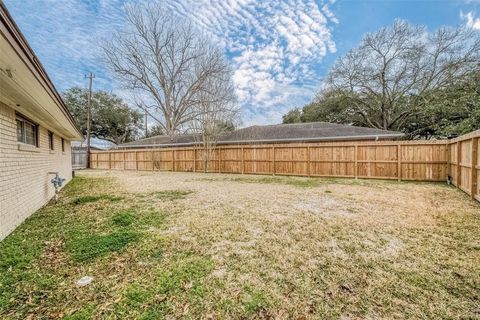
464,163
402,160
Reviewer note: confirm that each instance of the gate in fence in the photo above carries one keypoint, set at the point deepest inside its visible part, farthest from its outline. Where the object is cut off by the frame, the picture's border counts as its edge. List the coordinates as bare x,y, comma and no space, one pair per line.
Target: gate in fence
79,158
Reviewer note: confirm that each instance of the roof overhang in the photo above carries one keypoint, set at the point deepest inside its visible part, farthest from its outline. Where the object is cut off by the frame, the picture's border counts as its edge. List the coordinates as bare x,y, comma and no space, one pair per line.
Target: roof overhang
25,85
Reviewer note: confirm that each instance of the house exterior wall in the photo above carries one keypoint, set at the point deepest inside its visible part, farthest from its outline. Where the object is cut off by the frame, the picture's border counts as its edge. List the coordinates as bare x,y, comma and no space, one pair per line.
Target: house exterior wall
24,172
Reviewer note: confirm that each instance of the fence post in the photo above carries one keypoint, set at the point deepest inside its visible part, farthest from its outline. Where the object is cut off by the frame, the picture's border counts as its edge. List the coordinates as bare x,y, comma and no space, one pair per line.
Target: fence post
123,155
473,169
136,160
355,159
194,158
399,161
219,160
254,160
448,152
173,157
109,160
243,161
273,149
459,159
152,161
308,160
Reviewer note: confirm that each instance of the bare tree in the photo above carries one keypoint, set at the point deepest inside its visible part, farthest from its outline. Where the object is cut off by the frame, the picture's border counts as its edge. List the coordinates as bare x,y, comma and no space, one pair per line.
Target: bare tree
391,75
215,112
166,62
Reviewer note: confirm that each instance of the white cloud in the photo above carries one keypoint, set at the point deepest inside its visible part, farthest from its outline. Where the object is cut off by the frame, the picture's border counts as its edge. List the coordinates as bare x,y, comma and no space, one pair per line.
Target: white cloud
66,36
470,20
274,47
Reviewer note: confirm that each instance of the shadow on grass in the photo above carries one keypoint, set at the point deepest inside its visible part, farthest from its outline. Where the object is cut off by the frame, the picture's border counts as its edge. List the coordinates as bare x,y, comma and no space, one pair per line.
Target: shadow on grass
94,198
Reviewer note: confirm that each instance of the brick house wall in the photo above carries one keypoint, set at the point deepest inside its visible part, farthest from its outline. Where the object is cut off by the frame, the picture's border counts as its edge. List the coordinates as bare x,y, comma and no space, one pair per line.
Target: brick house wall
24,180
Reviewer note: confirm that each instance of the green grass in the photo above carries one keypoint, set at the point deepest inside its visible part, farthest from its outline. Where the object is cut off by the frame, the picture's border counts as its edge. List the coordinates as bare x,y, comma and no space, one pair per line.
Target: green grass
85,313
172,194
86,247
123,218
254,301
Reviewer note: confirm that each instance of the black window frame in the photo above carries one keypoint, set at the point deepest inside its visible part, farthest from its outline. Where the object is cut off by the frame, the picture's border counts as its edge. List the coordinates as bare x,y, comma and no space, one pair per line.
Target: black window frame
51,141
63,145
19,118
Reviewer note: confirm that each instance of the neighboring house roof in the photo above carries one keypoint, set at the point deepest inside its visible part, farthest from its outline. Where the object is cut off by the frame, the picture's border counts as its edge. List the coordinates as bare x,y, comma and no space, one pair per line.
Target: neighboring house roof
95,143
162,140
316,131
279,133
25,84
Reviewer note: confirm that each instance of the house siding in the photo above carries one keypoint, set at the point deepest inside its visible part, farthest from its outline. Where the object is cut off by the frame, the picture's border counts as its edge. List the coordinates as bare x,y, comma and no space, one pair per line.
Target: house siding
24,175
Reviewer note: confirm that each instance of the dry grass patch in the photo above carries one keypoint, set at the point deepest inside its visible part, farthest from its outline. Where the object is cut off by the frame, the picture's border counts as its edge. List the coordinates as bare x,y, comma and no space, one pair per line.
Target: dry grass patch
175,245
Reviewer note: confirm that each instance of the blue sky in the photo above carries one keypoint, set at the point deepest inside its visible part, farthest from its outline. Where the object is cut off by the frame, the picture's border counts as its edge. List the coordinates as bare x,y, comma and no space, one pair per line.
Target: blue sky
279,50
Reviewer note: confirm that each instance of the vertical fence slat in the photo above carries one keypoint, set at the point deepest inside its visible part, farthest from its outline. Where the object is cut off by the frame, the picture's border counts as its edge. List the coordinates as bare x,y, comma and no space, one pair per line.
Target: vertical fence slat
473,170
459,167
448,152
194,159
219,151
308,161
273,170
243,160
355,156
399,162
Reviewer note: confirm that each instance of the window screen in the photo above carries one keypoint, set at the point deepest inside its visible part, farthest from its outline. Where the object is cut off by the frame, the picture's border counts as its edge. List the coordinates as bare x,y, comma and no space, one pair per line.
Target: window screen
27,131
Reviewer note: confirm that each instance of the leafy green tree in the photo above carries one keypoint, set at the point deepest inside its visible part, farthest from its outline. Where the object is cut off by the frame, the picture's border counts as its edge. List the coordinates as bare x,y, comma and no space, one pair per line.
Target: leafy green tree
452,111
388,79
226,126
406,79
293,116
156,130
112,119
328,106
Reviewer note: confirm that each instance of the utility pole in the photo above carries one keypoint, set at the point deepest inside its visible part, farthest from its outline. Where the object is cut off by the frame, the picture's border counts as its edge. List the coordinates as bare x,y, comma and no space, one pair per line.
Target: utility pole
146,128
89,115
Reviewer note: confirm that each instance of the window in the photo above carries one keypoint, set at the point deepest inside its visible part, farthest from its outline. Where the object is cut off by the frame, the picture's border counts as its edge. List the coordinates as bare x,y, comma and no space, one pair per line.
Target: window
63,145
27,131
50,139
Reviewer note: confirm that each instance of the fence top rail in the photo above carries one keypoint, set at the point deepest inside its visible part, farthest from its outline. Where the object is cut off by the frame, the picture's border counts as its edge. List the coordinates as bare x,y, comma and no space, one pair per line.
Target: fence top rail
290,145
473,134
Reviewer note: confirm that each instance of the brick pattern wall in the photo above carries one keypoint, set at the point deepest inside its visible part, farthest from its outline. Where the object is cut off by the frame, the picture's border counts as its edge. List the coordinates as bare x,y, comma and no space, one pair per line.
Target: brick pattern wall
24,180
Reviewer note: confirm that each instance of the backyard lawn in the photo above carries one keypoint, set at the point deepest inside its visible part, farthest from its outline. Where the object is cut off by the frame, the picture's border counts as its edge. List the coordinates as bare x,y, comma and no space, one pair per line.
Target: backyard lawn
215,246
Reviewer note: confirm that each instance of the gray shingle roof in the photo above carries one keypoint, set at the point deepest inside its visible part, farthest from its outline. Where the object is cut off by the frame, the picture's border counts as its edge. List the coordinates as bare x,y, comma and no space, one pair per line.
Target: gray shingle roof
281,133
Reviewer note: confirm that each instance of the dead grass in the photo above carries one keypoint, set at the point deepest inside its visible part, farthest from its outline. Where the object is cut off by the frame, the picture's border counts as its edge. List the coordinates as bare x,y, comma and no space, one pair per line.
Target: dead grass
185,245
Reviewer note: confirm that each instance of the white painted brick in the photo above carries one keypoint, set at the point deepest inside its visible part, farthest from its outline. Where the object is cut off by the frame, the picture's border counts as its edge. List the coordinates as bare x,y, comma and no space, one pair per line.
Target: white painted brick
24,180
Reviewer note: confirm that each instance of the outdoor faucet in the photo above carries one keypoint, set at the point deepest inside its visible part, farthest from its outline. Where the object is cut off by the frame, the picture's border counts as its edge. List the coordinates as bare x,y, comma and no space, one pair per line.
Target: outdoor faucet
57,182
